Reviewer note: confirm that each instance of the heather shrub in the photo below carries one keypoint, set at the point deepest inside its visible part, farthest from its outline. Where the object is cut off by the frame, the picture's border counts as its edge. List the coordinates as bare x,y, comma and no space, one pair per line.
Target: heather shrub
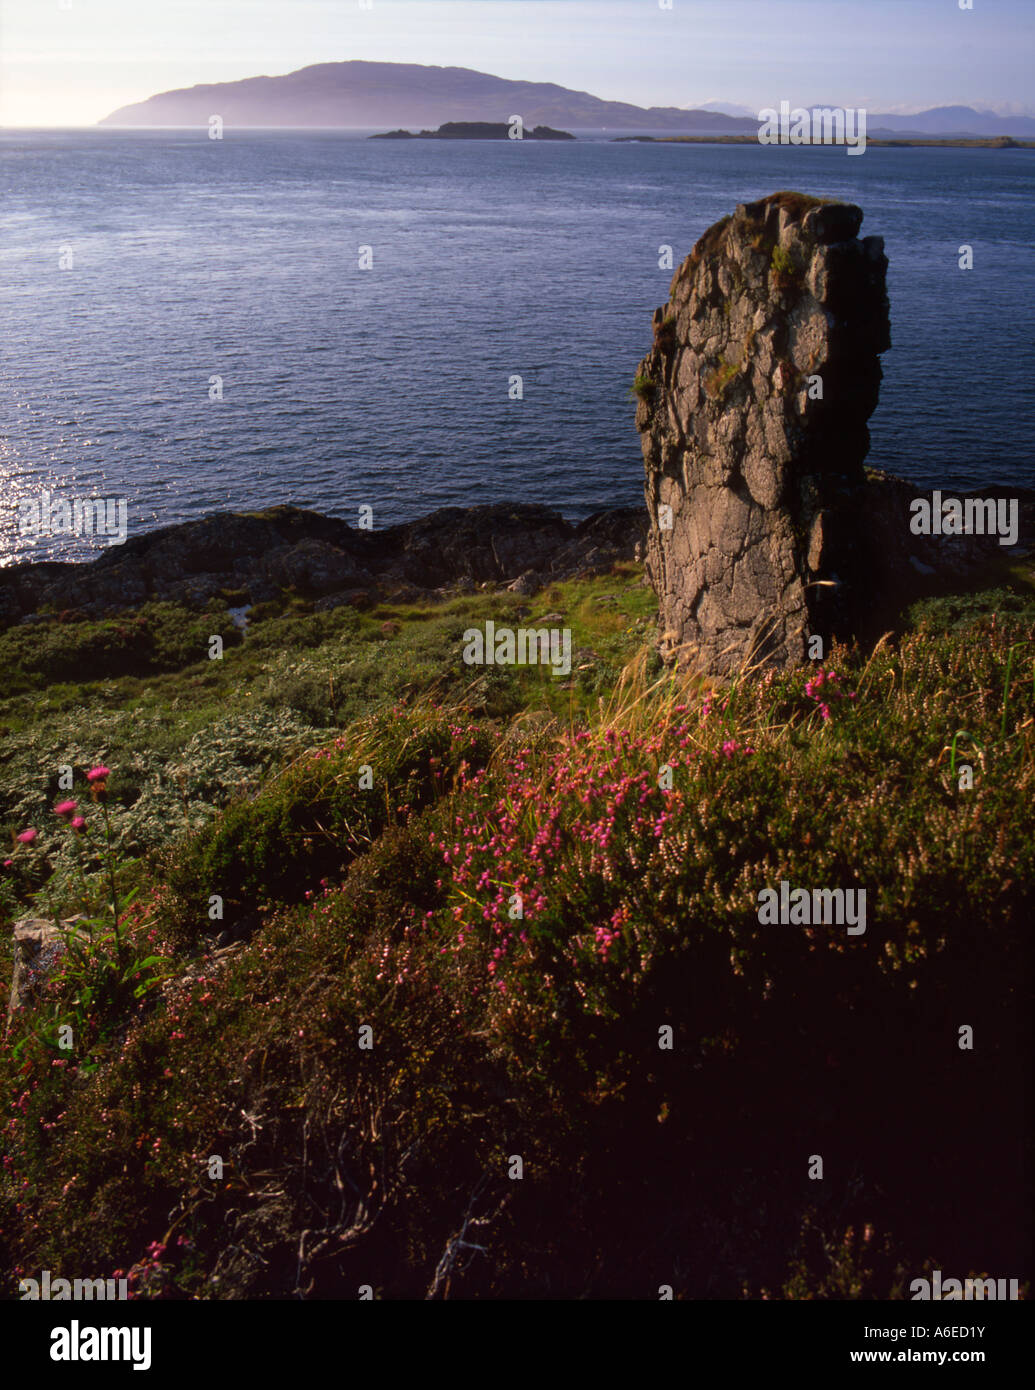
326,807
517,914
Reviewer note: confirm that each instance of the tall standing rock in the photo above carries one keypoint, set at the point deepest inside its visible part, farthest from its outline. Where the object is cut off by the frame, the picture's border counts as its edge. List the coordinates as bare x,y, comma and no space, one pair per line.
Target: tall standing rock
753,408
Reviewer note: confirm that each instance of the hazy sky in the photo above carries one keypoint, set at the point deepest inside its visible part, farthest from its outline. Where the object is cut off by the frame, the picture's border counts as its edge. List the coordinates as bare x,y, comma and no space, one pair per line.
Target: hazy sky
70,62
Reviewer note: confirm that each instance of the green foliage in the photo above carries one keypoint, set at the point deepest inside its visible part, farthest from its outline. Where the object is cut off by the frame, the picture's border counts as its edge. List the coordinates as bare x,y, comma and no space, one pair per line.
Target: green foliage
166,778
155,637
786,272
644,387
308,823
185,745
95,993
386,908
959,612
718,378
99,985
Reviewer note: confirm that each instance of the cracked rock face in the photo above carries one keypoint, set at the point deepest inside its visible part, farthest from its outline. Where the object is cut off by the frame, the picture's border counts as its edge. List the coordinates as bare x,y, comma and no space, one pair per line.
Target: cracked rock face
753,407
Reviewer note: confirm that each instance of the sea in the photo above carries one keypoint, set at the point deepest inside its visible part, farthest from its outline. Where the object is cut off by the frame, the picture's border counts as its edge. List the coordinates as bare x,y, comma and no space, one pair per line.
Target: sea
317,318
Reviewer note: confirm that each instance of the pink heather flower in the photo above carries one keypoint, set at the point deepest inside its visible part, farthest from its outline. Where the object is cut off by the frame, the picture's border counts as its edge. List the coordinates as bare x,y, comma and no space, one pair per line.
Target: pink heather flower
78,823
64,808
97,774
832,680
26,837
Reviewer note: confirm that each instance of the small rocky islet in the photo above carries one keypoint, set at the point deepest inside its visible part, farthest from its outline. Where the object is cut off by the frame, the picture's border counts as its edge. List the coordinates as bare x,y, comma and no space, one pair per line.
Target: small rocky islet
476,130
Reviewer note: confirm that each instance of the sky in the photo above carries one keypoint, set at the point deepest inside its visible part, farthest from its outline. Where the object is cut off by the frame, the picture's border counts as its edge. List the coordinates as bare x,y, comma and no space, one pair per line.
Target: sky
71,62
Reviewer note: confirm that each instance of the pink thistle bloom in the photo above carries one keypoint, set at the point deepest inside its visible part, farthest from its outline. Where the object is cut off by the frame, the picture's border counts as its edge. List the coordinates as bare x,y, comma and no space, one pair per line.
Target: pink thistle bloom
78,823
65,808
8,863
97,774
26,837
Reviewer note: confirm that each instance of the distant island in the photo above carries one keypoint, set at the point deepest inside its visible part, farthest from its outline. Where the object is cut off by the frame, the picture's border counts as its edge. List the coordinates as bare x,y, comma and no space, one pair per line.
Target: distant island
358,95
475,130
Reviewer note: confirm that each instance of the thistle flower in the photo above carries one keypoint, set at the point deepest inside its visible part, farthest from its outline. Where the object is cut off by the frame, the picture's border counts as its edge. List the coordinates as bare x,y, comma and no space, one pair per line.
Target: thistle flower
26,837
98,780
65,808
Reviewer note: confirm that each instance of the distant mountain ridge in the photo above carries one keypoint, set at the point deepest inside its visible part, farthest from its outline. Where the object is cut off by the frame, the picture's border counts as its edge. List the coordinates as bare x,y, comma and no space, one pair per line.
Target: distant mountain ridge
954,120
374,95
359,94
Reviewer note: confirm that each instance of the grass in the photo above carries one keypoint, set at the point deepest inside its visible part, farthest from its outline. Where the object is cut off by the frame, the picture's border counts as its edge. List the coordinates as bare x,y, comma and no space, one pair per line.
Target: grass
786,273
535,883
717,379
644,387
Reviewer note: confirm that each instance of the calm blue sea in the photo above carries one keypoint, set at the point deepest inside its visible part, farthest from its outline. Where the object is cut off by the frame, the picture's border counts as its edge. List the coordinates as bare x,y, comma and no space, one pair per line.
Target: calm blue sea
388,387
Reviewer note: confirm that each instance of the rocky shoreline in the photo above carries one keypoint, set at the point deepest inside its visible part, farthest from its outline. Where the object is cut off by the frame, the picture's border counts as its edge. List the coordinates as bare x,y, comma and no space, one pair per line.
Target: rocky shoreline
253,557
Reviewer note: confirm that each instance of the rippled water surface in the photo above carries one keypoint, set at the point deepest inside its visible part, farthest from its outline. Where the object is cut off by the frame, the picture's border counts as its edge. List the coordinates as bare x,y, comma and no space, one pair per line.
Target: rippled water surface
194,258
